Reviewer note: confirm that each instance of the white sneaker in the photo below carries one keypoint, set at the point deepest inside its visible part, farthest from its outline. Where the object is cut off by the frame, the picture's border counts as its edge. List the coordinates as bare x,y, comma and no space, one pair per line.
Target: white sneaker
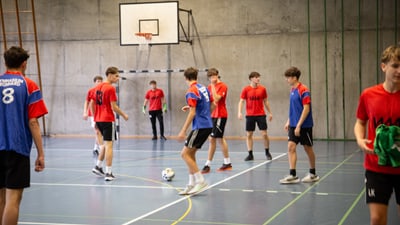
290,179
310,178
186,190
199,187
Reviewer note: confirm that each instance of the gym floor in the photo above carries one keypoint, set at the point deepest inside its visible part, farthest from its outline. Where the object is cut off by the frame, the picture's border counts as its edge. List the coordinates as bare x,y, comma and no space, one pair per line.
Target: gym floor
67,192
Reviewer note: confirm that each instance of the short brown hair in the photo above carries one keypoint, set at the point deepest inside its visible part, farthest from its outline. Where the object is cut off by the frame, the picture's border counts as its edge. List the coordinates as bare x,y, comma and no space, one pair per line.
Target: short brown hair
293,72
112,70
212,72
191,73
254,74
391,53
152,82
96,78
15,56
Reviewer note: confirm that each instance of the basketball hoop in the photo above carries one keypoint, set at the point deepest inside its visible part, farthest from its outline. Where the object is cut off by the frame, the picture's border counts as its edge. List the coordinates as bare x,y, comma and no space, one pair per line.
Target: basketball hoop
144,40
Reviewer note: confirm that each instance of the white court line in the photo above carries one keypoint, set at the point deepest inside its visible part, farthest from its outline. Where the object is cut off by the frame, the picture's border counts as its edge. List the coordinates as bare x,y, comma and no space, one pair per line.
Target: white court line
184,198
103,185
36,223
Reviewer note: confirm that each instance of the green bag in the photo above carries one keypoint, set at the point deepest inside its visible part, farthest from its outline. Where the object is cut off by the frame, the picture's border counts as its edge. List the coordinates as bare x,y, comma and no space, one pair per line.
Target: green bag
387,145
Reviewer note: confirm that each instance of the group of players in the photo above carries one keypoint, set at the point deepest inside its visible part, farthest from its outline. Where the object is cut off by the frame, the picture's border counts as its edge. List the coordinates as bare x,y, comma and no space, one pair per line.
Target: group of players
21,104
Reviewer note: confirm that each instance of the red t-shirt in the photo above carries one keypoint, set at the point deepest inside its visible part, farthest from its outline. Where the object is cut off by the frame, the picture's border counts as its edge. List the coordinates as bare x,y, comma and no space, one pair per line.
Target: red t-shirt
254,98
377,106
90,94
104,94
154,97
222,90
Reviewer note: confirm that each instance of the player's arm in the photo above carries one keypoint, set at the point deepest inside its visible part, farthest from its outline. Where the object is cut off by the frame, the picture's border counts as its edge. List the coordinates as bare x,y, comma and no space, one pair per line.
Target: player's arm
34,127
164,104
240,106
360,129
215,94
85,109
303,116
91,106
266,103
144,105
188,121
116,109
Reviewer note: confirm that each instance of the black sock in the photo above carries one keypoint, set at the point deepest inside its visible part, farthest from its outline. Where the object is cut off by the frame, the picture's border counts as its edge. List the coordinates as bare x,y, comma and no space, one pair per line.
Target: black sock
251,152
266,151
292,172
312,171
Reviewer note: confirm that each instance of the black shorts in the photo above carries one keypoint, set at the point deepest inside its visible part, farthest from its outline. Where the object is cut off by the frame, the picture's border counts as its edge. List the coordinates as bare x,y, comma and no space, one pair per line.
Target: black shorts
196,138
251,122
107,130
305,138
218,127
15,170
380,186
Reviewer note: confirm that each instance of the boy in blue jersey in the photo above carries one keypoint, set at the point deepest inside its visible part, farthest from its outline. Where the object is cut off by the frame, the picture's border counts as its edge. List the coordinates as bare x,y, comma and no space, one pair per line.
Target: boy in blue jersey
299,127
21,105
200,106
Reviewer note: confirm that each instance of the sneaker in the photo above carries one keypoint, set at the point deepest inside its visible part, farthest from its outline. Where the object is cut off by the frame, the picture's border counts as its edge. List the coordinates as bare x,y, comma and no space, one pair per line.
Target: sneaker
269,156
225,167
249,158
98,171
163,138
310,178
289,179
154,138
109,177
186,190
199,187
206,169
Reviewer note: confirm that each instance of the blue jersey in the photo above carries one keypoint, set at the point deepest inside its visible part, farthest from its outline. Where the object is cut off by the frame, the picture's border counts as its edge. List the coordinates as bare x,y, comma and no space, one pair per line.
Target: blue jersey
299,97
20,100
199,97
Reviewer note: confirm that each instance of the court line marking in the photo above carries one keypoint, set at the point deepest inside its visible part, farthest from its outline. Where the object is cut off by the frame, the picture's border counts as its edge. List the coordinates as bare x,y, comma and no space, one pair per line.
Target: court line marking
36,223
308,189
352,207
211,186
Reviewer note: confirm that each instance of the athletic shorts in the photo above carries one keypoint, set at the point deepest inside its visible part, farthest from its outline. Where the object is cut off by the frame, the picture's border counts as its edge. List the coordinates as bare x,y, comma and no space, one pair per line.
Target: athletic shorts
218,127
196,138
15,170
380,186
107,130
305,138
251,122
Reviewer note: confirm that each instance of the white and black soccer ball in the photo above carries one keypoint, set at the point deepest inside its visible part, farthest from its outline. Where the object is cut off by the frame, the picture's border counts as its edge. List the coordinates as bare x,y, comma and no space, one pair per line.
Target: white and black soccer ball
167,174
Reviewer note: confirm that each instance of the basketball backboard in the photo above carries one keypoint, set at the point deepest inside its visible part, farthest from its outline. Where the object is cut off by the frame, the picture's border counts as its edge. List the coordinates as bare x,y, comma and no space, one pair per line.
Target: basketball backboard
161,19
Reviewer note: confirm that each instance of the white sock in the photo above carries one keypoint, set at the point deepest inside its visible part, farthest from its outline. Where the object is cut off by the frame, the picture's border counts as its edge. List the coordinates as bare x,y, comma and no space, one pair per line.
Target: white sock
198,177
108,169
99,163
96,147
191,179
227,160
208,162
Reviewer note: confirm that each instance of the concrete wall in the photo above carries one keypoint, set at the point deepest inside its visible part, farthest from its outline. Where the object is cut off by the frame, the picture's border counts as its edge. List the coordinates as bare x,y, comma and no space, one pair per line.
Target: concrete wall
80,38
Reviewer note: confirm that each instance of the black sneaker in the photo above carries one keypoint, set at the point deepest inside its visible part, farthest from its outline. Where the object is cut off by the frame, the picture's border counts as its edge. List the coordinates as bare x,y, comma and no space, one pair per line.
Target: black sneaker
249,158
225,167
163,138
206,169
95,153
98,171
109,177
269,156
154,138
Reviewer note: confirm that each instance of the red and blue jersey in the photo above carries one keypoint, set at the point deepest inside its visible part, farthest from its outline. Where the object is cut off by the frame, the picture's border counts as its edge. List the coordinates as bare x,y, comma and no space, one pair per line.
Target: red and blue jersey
20,100
300,96
199,97
377,106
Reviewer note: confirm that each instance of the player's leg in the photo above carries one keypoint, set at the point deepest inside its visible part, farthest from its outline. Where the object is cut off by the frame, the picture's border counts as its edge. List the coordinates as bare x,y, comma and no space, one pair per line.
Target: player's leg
378,213
153,118
263,126
2,202
11,209
292,158
210,155
250,127
98,168
306,139
160,119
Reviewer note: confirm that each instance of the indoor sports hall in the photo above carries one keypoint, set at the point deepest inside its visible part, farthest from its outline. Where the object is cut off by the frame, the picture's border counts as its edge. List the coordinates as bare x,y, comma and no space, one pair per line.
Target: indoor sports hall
337,46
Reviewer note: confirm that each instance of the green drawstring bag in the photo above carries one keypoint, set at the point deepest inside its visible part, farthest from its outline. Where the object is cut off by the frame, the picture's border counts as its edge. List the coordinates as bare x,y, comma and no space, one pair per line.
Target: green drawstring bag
387,145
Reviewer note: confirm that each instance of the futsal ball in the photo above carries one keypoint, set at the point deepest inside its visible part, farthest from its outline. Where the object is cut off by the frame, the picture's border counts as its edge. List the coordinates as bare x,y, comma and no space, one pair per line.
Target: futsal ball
167,174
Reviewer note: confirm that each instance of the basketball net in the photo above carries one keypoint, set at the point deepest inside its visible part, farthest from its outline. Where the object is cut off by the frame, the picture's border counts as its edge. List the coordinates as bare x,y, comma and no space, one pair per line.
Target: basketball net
144,40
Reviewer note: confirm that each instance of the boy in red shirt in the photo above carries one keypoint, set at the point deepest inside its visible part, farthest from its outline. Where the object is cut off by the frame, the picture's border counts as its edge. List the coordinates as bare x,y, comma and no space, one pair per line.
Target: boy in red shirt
380,104
157,105
256,98
104,104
